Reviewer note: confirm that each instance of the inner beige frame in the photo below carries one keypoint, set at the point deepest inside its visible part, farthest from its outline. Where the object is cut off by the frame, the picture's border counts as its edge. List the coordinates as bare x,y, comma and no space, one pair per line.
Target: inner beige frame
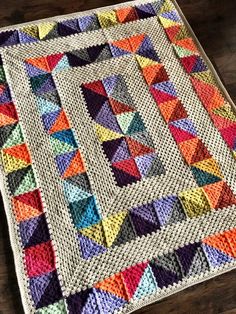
112,198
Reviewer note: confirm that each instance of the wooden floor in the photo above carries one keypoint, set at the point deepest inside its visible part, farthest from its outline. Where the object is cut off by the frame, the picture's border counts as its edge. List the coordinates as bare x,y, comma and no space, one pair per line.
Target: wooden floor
214,22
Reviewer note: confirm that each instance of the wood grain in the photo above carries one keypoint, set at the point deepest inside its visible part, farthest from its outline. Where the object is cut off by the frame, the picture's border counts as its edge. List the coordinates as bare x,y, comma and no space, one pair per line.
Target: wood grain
214,23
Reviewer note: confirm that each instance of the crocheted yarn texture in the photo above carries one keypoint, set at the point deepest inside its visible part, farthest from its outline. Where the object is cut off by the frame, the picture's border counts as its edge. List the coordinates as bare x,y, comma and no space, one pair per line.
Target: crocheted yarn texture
118,146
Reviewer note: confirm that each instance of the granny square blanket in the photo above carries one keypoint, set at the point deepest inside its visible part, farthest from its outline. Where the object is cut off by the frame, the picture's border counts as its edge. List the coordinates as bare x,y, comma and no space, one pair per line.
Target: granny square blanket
118,147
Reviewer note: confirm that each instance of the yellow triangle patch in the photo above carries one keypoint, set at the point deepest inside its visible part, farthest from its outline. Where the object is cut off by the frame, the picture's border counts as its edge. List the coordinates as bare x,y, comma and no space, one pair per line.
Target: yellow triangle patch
205,76
167,6
226,112
112,226
45,29
210,166
12,163
95,233
168,23
31,30
107,19
145,62
105,134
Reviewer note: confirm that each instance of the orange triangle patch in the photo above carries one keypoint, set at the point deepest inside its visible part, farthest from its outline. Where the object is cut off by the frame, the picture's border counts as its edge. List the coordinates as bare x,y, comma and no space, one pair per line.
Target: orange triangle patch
19,152
5,120
173,110
76,166
219,195
208,94
125,15
136,41
225,242
24,211
119,107
40,63
114,285
123,44
194,151
188,44
60,124
155,74
138,149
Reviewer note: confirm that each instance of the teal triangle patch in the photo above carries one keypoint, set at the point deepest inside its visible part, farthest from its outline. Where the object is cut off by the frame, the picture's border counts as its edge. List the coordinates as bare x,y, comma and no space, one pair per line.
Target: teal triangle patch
73,193
46,106
147,284
203,178
15,138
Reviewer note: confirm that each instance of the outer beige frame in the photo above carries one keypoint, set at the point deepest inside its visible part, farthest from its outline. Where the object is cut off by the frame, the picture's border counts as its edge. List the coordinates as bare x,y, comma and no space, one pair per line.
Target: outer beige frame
206,225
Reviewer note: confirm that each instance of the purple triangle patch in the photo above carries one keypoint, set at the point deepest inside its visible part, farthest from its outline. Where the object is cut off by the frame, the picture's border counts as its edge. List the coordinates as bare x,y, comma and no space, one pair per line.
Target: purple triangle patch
164,207
108,303
143,226
34,231
118,52
33,71
5,95
63,161
47,86
144,163
68,27
123,178
45,289
94,101
145,11
116,150
216,257
89,248
146,50
25,38
9,38
110,83
186,255
107,119
185,125
199,66
49,119
164,277
76,302
147,212
171,15
166,87
89,22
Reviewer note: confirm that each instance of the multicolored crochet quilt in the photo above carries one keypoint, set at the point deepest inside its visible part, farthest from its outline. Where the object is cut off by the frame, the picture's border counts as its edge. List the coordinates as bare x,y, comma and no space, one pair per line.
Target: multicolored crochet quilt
118,147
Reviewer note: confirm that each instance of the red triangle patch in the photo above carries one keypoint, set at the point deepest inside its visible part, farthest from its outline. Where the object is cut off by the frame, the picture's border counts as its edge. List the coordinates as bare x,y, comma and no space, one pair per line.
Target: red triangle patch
129,166
180,135
119,107
9,110
54,59
138,149
132,277
96,87
172,32
189,62
161,97
32,199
